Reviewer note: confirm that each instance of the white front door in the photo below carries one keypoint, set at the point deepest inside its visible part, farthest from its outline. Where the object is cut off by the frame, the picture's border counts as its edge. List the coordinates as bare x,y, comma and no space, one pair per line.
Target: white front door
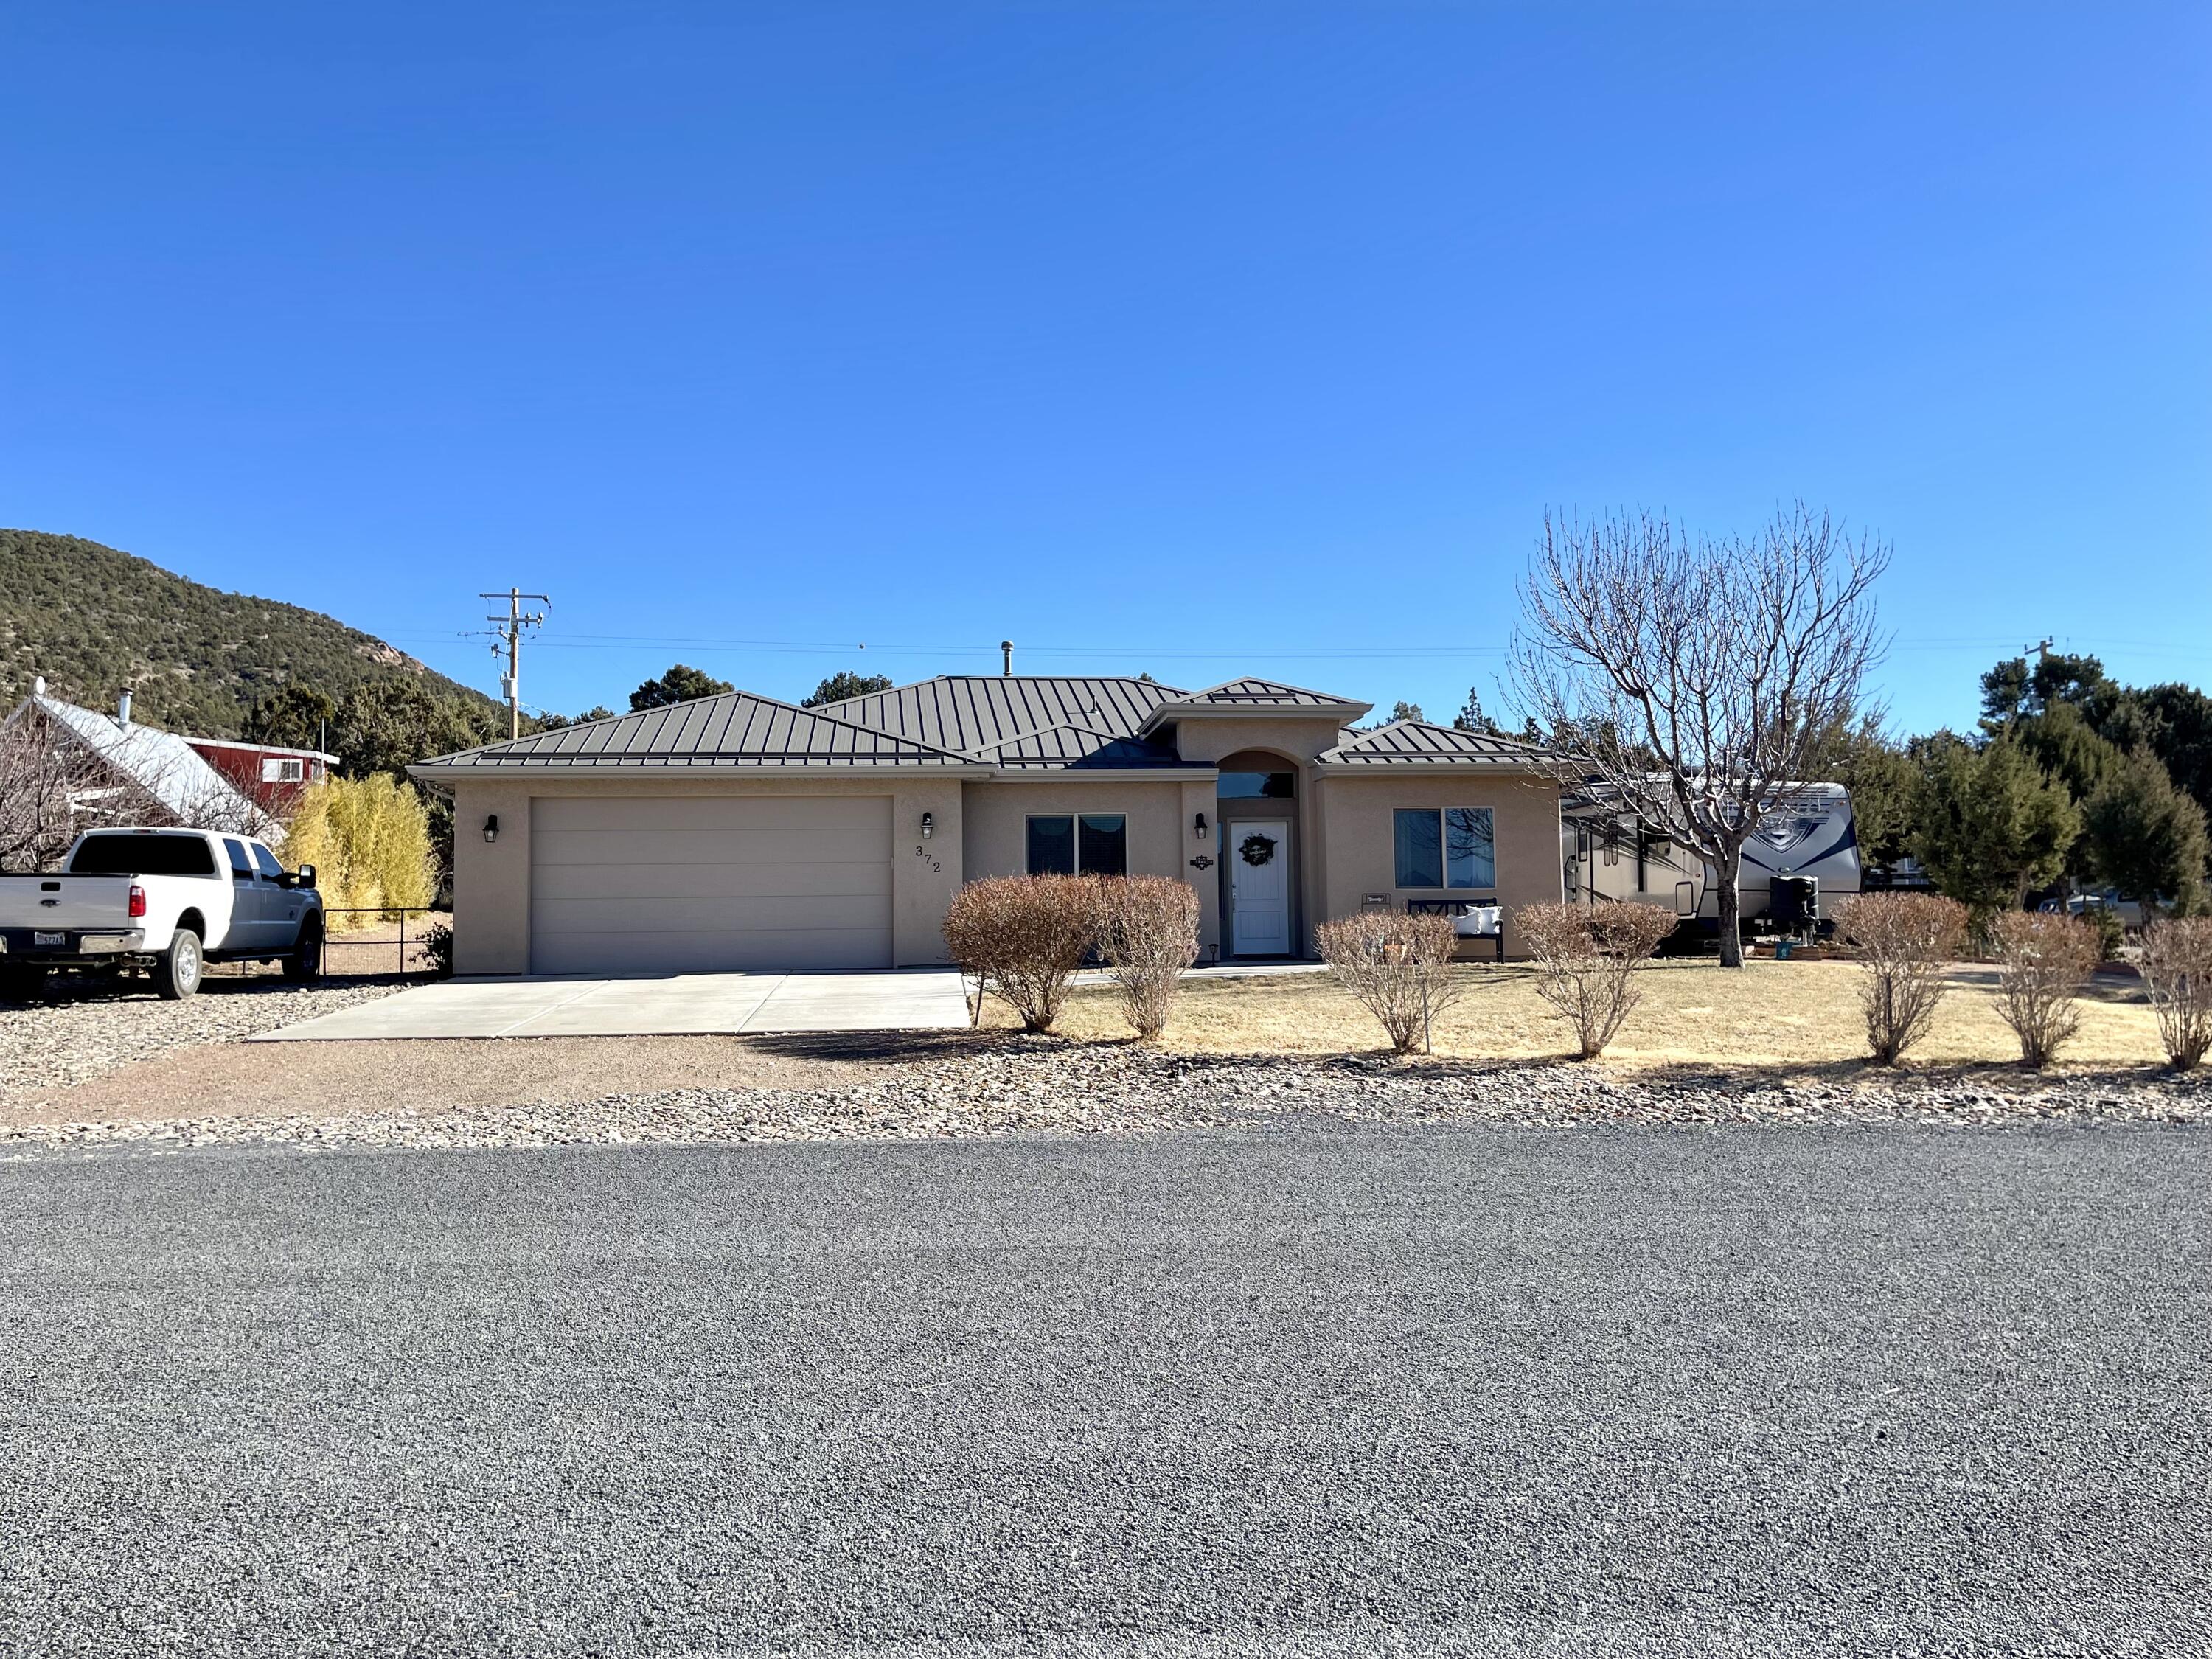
1260,887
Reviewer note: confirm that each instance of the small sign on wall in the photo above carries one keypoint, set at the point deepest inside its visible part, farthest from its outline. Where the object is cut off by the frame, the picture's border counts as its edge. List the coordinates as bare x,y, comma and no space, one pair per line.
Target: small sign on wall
1375,901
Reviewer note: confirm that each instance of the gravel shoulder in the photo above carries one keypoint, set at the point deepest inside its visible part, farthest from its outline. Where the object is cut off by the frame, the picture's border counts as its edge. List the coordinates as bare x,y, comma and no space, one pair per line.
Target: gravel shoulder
549,1091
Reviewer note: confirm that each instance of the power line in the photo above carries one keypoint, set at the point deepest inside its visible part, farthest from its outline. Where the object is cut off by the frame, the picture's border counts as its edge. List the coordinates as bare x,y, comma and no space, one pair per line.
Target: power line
507,630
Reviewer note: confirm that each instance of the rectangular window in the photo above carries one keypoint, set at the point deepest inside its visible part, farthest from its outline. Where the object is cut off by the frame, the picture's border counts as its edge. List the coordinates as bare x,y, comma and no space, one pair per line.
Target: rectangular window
1091,843
1470,855
1448,847
1421,849
276,770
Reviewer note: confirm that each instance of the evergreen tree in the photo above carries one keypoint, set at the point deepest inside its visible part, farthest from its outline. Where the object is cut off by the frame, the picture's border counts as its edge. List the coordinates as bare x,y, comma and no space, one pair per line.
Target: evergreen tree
844,684
1988,825
1407,711
1471,718
1884,783
679,684
291,717
2146,837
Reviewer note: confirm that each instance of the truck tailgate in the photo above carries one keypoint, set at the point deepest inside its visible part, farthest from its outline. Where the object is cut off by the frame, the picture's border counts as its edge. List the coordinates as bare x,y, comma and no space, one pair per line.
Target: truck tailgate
65,901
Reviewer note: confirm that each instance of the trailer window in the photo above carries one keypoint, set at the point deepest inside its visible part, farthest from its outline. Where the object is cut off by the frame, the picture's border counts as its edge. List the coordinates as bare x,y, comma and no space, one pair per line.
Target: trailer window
143,855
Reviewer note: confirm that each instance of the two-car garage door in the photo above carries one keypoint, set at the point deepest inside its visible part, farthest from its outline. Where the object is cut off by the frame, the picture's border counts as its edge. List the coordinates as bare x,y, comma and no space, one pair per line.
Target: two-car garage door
701,885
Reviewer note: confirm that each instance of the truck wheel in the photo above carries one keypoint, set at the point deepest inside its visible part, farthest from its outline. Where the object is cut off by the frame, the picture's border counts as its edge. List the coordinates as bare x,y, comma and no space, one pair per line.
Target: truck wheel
305,964
177,970
20,984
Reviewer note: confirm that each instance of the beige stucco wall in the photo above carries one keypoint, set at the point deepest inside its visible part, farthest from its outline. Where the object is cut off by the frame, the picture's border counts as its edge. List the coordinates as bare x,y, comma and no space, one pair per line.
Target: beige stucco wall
1162,838
491,884
1355,813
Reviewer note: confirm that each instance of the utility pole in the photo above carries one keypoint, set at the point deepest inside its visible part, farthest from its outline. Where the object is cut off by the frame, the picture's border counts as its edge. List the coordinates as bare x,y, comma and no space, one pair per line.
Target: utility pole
507,630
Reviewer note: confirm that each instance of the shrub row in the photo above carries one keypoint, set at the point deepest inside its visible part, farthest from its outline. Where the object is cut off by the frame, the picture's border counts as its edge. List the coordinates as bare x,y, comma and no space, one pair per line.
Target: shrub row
1025,937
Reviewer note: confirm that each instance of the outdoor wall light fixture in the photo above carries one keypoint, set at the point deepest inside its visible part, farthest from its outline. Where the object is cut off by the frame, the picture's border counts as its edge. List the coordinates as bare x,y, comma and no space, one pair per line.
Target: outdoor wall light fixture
1201,826
491,828
928,825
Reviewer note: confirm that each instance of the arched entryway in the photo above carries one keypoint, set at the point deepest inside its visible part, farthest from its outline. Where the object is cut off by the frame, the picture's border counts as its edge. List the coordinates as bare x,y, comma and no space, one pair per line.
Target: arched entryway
1257,803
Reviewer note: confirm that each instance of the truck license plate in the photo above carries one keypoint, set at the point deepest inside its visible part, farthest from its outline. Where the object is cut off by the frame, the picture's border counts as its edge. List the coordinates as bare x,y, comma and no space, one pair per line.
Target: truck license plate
55,939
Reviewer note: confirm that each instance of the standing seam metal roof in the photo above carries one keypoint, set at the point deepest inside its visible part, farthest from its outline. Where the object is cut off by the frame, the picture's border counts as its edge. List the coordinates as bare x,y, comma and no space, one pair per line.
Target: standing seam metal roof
1416,742
734,729
972,713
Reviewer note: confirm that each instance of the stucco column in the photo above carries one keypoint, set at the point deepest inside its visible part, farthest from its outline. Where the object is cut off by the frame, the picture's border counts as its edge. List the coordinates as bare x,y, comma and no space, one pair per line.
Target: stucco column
1198,798
925,871
491,931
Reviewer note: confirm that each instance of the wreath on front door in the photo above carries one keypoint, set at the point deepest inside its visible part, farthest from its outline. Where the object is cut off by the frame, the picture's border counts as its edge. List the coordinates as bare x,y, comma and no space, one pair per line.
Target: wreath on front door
1256,849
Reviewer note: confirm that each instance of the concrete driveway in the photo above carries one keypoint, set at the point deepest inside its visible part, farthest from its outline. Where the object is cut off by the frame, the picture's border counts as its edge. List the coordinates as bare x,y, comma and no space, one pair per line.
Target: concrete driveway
674,1006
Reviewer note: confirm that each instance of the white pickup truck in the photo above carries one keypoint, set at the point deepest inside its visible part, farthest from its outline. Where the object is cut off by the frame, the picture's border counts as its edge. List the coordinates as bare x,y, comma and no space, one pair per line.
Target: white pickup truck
166,901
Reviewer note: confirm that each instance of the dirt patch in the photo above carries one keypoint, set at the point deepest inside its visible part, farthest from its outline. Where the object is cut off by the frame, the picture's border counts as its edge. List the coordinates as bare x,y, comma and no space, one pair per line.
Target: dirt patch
338,1079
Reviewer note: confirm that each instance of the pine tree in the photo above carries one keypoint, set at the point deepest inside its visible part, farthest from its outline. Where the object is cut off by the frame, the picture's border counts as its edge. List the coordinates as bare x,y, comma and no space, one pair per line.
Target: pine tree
2146,837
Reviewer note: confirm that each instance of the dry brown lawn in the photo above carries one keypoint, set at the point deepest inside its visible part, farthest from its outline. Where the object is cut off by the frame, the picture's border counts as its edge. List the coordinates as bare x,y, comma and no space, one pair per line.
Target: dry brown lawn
1770,1014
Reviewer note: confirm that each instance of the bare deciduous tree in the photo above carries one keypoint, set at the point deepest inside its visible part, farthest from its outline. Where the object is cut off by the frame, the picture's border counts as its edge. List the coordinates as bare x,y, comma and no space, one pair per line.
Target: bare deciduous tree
1696,677
54,786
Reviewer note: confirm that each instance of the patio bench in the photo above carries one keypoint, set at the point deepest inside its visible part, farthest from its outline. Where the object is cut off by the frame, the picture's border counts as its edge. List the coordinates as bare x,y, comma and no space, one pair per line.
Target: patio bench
1471,918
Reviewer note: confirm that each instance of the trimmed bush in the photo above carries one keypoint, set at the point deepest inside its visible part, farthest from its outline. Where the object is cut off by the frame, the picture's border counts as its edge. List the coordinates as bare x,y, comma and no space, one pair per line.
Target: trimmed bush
2042,960
1148,929
369,840
1906,943
1586,960
2177,970
1397,963
1023,937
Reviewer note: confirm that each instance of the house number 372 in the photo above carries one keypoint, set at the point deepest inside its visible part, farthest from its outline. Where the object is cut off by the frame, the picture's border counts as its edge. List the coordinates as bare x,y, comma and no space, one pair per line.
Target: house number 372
935,866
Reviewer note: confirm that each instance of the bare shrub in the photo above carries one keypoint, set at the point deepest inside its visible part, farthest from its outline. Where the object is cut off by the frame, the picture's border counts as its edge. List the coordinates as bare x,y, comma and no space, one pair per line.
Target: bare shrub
2177,969
2042,960
1398,963
1905,942
1148,930
1023,937
1586,962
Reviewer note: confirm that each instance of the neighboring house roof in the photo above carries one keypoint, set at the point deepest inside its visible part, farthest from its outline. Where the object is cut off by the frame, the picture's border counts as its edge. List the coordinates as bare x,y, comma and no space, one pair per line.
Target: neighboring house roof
1414,744
736,729
162,763
264,748
972,713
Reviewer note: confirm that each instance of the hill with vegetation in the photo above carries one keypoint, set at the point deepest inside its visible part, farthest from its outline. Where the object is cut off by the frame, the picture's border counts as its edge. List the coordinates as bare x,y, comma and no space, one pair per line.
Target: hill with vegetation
93,620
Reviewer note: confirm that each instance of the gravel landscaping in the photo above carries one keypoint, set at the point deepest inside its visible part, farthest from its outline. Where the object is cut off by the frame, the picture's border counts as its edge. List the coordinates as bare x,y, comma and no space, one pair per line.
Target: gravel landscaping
1009,1085
81,1033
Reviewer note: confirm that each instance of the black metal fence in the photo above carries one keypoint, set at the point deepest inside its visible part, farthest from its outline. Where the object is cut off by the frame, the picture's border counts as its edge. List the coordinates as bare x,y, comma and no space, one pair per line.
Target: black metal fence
387,912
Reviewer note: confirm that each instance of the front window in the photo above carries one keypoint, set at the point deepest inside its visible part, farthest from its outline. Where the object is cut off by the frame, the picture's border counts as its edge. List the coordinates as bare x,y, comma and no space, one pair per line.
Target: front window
1085,843
1445,847
266,861
278,770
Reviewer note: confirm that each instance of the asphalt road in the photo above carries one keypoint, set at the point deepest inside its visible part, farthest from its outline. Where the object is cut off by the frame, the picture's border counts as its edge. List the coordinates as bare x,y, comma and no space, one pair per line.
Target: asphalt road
1310,1392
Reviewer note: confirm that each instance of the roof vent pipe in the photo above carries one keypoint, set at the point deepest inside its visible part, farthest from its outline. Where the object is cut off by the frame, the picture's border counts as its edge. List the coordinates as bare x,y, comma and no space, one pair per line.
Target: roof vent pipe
123,710
1007,647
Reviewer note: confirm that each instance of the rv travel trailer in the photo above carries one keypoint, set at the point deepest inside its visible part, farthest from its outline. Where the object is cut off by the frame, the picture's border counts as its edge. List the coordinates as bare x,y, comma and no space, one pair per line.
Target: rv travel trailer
1804,856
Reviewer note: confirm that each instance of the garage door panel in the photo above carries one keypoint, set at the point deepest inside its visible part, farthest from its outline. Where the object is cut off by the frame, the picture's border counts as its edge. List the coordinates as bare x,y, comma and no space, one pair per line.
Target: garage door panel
651,844
708,881
701,883
798,950
711,814
859,911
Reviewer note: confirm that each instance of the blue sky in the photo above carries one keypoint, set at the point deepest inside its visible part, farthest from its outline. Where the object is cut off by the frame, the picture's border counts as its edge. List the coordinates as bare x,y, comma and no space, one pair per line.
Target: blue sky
1195,339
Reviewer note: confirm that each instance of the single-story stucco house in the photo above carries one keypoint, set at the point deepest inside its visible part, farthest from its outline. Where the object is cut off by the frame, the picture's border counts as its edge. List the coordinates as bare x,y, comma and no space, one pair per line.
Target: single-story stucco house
737,832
